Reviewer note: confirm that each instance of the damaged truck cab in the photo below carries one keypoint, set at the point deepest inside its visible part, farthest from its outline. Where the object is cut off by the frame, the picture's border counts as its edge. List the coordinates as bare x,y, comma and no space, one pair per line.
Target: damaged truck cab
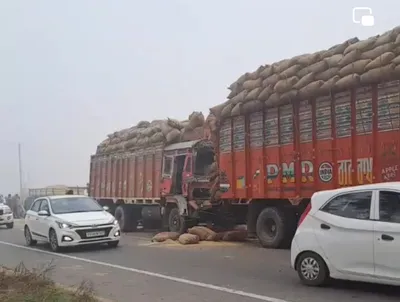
185,183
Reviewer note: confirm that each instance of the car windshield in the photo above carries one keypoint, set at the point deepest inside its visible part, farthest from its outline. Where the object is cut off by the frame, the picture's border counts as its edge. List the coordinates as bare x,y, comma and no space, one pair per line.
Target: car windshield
74,205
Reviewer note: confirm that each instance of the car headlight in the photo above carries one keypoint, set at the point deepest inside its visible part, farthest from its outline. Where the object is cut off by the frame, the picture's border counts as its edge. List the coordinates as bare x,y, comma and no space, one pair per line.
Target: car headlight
7,211
63,225
115,222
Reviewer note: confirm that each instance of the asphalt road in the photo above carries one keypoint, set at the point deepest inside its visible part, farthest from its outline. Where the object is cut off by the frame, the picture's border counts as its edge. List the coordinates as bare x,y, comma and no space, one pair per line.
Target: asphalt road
141,271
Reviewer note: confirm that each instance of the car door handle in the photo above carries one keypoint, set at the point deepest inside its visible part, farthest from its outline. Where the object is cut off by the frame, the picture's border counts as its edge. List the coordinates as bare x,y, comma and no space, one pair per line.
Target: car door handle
387,237
325,226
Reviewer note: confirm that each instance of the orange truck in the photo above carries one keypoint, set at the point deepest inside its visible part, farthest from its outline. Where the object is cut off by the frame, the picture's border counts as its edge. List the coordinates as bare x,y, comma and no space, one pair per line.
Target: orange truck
270,163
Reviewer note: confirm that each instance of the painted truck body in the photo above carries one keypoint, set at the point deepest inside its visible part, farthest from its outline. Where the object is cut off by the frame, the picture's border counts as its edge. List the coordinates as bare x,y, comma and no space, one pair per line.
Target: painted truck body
274,160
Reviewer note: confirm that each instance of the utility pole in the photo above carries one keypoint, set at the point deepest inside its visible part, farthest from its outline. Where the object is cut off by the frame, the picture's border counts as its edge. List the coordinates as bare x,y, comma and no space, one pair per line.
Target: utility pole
20,170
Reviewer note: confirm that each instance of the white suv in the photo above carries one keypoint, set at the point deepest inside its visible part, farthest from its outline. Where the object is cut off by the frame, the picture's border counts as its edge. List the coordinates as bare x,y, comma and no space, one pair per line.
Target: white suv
6,216
70,220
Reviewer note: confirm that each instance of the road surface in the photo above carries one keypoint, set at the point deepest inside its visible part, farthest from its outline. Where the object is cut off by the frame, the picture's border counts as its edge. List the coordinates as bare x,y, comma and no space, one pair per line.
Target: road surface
141,271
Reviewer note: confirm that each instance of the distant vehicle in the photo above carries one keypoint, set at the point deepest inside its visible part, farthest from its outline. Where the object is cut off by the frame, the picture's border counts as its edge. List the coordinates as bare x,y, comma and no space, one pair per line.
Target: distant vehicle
6,216
70,220
351,233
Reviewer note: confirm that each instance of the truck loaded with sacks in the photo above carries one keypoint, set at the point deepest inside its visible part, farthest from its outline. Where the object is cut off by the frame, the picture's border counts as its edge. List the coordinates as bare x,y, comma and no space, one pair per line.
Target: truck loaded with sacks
314,122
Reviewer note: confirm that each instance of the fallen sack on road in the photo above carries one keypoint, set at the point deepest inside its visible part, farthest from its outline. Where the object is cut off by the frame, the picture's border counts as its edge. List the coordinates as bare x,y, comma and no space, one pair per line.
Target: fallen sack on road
163,236
202,232
235,236
188,239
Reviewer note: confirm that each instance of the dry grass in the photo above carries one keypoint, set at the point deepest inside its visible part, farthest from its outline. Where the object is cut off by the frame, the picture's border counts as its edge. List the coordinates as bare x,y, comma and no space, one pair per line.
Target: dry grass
23,285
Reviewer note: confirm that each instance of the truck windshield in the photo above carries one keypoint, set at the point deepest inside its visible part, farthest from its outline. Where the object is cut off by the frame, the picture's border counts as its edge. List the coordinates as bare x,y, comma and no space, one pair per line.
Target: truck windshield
74,205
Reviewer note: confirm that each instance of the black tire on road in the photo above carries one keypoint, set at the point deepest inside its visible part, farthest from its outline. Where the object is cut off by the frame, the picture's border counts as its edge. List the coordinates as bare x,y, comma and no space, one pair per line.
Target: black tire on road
28,237
113,244
176,223
10,225
272,228
312,269
53,240
127,221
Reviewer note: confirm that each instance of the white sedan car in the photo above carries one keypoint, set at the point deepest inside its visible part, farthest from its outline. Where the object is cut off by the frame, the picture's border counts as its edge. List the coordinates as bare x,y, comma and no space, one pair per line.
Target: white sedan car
6,216
70,220
351,233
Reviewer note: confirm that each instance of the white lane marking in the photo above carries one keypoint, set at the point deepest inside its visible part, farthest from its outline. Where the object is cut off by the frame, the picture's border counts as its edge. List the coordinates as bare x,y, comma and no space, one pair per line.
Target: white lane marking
152,274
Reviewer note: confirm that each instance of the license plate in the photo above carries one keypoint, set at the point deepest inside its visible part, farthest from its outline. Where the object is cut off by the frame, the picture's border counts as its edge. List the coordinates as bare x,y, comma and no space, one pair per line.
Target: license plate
95,234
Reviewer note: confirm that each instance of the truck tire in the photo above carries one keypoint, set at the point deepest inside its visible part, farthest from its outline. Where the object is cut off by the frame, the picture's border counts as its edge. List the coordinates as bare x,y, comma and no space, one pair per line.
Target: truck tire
176,223
271,228
127,221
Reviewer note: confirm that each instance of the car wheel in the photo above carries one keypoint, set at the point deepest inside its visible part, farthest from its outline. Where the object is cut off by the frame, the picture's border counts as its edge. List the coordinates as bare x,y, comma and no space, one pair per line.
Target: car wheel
113,244
10,225
28,237
176,222
312,269
53,240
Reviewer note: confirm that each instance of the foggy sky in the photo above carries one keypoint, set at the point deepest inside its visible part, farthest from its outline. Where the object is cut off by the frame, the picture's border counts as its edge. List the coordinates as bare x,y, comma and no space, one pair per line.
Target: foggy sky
73,71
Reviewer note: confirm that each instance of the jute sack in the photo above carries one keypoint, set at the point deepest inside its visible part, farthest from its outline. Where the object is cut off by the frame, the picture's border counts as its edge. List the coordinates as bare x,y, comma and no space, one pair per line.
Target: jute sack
387,37
327,74
165,128
173,136
163,236
252,106
251,84
216,110
334,60
396,60
305,80
237,110
291,71
202,232
266,92
339,48
196,119
272,101
268,71
316,67
157,137
288,96
363,45
382,60
235,236
143,124
239,98
378,74
397,41
226,112
282,65
355,67
308,59
347,82
253,95
350,58
377,51
271,80
174,123
188,239
310,90
285,84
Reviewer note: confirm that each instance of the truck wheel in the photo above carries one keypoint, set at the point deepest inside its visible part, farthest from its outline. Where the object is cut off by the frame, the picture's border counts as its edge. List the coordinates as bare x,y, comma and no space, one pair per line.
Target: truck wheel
271,228
176,223
126,219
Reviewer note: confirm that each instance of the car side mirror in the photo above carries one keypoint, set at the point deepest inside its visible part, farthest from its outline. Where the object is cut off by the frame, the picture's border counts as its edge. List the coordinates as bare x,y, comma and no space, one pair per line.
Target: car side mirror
105,208
43,213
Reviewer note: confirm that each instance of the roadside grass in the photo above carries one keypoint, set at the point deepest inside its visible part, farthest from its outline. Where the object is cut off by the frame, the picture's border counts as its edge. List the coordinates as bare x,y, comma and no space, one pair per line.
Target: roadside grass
24,285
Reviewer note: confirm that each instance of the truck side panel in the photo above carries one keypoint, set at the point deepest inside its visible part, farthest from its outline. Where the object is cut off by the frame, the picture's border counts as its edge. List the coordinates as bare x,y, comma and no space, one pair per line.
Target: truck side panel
295,150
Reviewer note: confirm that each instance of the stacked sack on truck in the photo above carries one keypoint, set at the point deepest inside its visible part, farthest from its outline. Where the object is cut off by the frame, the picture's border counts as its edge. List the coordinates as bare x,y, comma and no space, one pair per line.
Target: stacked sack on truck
146,134
200,233
341,67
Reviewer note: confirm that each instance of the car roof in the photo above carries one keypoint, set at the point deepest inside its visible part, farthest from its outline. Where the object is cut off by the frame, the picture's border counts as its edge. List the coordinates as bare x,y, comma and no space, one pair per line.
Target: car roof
327,194
54,197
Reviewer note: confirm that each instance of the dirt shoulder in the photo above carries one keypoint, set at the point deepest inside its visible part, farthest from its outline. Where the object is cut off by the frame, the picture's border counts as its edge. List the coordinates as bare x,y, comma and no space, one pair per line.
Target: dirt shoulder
23,285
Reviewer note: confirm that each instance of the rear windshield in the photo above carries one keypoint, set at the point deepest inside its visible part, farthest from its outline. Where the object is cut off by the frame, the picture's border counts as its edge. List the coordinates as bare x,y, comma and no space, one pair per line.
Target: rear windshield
74,205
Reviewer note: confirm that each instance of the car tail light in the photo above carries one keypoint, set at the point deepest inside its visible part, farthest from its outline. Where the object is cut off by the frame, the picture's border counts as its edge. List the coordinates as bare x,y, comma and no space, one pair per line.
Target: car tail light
305,213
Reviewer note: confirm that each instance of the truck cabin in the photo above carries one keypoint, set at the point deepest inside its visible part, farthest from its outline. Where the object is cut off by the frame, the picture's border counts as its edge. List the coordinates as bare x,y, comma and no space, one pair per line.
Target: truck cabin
185,168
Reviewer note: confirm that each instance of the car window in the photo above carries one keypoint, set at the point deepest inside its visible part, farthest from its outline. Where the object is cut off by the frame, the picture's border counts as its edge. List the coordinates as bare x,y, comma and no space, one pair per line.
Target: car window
389,206
44,206
74,205
351,205
36,205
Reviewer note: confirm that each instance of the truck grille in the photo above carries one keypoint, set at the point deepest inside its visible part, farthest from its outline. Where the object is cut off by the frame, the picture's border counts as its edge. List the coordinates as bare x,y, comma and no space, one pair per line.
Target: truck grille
82,233
1,212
